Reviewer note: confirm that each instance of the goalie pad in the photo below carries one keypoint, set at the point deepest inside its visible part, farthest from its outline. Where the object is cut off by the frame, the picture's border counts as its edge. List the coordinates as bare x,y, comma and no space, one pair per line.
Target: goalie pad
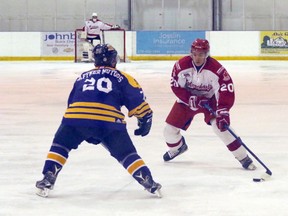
87,46
87,52
83,35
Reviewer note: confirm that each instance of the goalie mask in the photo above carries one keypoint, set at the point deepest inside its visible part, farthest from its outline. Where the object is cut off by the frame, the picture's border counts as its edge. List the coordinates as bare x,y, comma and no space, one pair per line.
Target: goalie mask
105,55
94,17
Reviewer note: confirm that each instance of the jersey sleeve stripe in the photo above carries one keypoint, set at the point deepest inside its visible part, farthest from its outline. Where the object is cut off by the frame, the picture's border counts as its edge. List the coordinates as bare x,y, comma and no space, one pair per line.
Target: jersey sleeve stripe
140,110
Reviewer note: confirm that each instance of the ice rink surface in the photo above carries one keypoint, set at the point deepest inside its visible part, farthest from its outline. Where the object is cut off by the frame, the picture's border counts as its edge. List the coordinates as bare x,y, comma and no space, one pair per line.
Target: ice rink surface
204,181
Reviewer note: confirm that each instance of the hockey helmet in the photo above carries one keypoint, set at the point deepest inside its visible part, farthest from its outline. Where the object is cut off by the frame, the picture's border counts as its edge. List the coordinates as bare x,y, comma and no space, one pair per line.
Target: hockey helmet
200,45
94,14
105,55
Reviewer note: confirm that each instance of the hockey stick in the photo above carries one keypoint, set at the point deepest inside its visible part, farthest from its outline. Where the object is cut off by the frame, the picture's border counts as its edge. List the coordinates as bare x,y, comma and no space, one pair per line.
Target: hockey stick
268,172
103,37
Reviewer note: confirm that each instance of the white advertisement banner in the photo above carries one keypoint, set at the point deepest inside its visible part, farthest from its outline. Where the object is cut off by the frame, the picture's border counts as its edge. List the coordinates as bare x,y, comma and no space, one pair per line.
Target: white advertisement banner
57,43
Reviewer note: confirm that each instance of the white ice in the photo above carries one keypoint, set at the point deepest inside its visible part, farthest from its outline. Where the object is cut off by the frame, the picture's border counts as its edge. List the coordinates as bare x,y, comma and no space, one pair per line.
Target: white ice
204,181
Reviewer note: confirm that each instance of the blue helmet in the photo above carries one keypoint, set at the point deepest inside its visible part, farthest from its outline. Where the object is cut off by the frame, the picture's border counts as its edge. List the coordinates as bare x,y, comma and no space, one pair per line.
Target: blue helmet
105,55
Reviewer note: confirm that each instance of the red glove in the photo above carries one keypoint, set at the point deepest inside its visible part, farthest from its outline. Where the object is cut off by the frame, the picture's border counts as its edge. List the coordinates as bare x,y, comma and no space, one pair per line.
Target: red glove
197,102
222,119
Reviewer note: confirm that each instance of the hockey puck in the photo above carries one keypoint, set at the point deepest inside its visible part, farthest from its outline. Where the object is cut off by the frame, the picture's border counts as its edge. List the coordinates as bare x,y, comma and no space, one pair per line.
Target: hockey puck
264,177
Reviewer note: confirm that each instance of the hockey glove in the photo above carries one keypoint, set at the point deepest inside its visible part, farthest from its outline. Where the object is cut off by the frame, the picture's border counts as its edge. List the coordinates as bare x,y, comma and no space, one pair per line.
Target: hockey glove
222,119
115,27
197,102
144,124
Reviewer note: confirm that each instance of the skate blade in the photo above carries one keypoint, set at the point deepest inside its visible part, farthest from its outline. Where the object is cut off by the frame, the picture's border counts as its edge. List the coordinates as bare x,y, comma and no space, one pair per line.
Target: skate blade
158,193
251,167
42,192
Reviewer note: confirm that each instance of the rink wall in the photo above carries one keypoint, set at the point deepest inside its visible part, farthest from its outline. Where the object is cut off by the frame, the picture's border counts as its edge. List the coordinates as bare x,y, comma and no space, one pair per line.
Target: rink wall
225,45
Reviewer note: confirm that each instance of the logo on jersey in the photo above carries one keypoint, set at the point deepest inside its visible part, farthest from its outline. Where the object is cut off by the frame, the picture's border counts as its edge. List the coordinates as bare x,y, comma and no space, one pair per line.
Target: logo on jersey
200,87
224,73
226,76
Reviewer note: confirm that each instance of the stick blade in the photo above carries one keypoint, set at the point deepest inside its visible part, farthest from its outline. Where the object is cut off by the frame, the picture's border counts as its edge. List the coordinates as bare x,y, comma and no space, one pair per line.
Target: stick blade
266,176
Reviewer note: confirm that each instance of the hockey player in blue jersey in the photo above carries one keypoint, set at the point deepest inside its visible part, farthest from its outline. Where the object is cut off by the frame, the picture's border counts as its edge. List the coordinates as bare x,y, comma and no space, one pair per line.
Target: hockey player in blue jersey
94,115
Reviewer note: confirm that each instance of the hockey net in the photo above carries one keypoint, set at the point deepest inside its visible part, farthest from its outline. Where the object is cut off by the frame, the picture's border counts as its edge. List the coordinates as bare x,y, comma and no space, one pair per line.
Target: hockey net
117,38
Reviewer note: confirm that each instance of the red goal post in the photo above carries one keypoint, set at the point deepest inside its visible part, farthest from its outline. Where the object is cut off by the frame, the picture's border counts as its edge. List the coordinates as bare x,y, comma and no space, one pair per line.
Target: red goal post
117,38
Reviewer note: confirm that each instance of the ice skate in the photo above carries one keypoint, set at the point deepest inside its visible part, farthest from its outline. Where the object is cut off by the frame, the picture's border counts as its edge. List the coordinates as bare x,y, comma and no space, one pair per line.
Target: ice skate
155,189
45,185
247,163
169,155
149,185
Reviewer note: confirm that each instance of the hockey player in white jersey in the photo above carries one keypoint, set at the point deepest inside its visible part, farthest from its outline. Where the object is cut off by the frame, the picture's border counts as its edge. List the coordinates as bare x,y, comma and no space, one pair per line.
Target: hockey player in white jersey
199,79
91,34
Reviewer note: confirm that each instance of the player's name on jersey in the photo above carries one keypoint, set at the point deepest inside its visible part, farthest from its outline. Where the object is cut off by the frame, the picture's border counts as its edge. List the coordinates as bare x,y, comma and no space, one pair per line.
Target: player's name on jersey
99,71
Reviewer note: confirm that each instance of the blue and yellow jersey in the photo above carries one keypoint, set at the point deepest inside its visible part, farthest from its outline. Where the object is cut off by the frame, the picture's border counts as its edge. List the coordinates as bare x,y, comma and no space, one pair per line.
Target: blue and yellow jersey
98,95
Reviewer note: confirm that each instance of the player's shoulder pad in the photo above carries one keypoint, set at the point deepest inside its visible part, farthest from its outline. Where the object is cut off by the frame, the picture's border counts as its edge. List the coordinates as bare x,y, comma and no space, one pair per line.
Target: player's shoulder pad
211,62
131,80
214,66
183,63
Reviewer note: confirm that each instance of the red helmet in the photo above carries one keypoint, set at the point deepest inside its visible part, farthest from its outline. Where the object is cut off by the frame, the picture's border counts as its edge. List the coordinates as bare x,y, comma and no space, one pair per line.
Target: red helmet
201,45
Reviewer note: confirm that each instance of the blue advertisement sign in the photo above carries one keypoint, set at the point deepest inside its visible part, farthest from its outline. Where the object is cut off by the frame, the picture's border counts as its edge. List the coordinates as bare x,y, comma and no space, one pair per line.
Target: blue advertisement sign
166,42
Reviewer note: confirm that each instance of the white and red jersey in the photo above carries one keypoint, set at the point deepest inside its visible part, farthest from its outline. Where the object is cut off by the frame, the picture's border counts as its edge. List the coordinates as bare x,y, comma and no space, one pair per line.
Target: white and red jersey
211,80
93,29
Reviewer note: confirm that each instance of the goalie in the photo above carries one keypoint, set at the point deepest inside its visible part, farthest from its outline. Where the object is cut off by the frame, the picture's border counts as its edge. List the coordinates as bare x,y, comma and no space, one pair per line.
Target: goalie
91,34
